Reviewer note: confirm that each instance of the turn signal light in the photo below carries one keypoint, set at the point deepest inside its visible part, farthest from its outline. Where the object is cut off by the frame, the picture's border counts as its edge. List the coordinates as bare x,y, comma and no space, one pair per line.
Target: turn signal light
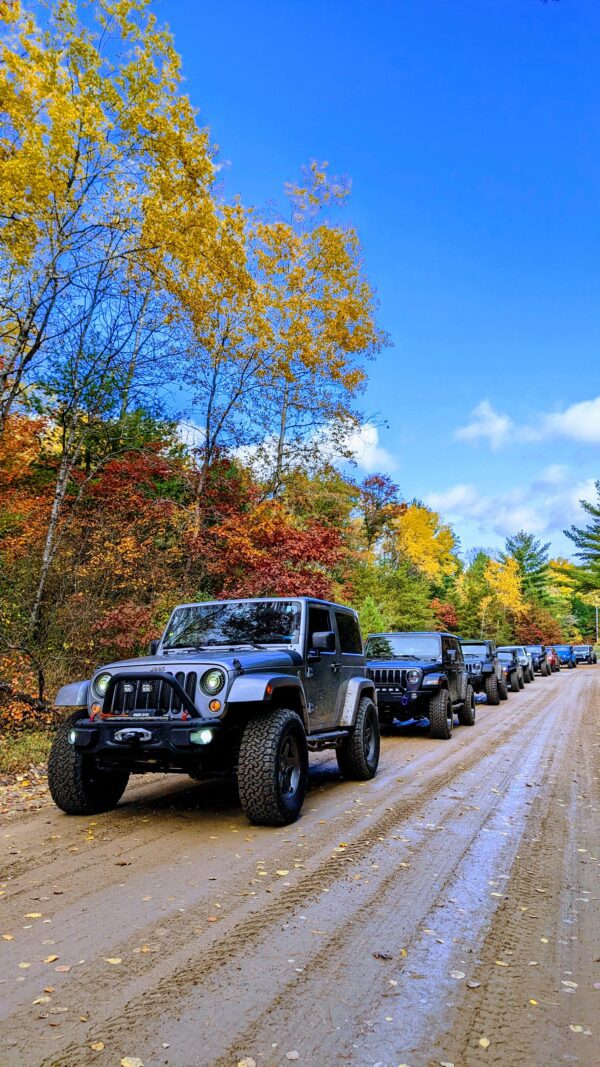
215,705
96,709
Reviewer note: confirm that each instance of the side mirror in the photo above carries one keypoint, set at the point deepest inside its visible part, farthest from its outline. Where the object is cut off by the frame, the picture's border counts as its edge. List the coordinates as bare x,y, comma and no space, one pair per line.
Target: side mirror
153,646
324,641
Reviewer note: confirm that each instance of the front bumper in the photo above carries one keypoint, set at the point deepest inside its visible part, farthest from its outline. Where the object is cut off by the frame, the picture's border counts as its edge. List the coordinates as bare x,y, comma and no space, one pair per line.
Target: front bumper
404,703
151,742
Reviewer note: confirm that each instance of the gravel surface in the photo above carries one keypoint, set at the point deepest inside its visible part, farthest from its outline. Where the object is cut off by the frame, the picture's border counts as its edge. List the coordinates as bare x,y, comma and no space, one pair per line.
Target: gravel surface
445,913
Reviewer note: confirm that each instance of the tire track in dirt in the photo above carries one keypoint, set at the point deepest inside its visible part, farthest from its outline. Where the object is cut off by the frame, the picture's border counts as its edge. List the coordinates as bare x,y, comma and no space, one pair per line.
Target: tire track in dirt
555,876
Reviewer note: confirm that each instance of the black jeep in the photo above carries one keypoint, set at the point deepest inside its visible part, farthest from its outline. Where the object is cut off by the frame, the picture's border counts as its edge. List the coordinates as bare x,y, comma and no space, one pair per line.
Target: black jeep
485,671
236,687
511,668
421,676
539,659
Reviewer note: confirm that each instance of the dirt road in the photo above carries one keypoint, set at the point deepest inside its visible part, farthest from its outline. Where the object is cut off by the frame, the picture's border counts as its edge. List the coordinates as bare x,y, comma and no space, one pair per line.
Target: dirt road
445,913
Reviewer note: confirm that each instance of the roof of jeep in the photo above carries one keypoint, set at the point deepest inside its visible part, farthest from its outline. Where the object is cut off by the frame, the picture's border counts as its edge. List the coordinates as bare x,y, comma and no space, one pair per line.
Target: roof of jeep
267,600
416,633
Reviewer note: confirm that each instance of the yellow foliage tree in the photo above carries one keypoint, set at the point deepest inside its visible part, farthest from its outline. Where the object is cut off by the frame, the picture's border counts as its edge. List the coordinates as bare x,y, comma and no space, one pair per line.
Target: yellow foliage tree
428,543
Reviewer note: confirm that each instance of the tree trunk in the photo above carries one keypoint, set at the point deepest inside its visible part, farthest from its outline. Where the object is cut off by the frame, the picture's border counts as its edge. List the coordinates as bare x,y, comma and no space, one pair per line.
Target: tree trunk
67,462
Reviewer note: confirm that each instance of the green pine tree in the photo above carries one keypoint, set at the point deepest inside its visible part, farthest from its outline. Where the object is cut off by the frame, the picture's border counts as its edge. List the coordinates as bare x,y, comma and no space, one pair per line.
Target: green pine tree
531,557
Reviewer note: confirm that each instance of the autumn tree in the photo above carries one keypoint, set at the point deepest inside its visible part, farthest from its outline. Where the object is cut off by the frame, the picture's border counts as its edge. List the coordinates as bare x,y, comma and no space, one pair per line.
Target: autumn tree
319,313
378,504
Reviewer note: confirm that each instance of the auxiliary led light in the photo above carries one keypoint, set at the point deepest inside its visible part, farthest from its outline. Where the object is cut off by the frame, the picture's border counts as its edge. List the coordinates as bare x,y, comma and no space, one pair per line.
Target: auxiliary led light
72,737
201,737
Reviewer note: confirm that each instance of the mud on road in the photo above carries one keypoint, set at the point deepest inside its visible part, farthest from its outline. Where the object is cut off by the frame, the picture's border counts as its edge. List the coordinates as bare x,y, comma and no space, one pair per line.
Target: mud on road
446,912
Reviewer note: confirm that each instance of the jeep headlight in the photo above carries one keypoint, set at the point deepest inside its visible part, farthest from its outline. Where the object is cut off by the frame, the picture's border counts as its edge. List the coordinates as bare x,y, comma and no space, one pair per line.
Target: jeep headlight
101,683
212,682
413,677
477,666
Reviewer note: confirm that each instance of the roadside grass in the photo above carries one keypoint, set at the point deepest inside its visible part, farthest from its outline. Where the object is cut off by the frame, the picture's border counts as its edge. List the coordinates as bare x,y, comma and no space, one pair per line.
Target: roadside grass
19,752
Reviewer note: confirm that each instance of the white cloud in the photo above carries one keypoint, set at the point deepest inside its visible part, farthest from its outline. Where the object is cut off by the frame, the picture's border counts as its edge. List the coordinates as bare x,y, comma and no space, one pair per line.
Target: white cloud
540,508
367,453
579,422
361,443
486,424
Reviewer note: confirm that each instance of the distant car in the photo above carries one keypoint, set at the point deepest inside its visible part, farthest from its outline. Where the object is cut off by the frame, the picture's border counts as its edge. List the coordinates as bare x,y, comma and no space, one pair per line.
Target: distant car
513,672
540,659
485,670
585,654
566,656
552,658
525,660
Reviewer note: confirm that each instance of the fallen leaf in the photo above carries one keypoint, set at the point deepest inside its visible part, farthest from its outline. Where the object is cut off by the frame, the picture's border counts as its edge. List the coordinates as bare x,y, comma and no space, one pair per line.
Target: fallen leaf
576,1028
534,1002
473,985
112,959
292,1055
33,915
97,1046
570,985
63,968
483,1041
457,974
282,874
212,919
246,1062
41,1000
24,966
7,937
501,963
131,1061
50,959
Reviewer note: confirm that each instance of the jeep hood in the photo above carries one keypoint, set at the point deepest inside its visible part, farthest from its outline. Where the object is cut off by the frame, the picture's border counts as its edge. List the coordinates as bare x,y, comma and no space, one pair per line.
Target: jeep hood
249,659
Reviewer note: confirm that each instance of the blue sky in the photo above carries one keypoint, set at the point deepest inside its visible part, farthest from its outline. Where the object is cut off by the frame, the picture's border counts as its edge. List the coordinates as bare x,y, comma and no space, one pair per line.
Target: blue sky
470,130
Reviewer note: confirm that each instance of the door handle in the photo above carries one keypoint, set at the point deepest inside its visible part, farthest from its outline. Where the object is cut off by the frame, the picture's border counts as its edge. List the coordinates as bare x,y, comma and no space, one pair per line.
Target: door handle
335,668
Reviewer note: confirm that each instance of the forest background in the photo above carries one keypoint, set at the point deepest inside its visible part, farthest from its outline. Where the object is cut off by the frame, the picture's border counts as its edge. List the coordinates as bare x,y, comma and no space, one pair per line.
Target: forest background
180,383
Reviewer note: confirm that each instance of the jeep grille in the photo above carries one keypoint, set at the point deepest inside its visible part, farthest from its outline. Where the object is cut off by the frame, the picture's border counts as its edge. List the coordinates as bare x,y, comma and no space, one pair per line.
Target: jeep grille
136,695
386,676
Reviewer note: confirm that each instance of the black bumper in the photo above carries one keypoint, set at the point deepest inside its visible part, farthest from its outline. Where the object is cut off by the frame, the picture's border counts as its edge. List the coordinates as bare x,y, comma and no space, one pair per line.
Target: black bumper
151,742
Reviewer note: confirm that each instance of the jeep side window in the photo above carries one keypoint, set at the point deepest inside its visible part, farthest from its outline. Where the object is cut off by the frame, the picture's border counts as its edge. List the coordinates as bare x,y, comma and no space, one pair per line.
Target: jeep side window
349,633
319,621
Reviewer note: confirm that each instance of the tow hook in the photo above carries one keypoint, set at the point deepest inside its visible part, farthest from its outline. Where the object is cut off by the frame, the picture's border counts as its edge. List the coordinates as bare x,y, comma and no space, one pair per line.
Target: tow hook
132,735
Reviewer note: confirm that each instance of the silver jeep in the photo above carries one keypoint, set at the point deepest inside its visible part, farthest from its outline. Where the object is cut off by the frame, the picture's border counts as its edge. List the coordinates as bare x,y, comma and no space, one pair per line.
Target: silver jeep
233,687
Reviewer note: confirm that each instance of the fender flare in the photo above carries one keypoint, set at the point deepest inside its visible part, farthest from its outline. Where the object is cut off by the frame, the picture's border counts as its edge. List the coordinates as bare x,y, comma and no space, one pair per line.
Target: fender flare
356,689
261,688
73,695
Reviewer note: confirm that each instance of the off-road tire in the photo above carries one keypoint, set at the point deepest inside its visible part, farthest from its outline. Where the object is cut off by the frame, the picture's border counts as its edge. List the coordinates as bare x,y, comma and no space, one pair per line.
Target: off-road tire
521,680
358,755
76,785
441,716
467,713
514,682
502,689
267,742
545,670
491,690
531,674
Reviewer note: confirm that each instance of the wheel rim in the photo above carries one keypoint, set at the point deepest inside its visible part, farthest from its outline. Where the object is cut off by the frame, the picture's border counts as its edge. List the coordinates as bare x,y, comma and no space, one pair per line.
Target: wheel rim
289,766
369,739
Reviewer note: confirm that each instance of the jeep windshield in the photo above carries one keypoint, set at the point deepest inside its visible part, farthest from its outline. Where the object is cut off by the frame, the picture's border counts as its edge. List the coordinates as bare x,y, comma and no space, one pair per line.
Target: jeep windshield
537,649
403,646
474,648
234,623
